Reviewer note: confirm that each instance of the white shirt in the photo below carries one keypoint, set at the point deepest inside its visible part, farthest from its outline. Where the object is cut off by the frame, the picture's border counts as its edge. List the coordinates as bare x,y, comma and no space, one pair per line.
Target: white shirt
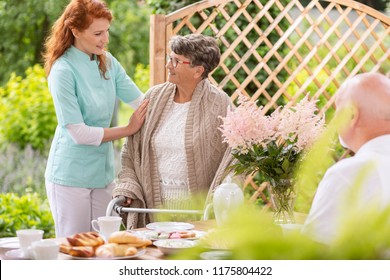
354,182
171,157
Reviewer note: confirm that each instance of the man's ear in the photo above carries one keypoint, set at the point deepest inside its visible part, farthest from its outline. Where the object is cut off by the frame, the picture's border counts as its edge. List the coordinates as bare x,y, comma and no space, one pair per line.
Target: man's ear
355,115
346,117
199,71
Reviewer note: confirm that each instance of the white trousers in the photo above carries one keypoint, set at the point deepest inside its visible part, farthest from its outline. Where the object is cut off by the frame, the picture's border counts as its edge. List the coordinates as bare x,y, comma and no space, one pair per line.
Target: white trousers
73,208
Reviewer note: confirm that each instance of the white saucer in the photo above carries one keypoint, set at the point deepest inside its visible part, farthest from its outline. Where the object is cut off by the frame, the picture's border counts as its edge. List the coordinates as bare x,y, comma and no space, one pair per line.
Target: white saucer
169,226
15,255
9,243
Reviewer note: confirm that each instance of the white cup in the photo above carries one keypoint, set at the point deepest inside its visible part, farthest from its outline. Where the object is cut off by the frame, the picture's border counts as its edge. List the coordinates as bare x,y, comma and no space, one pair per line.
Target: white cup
44,250
26,238
106,225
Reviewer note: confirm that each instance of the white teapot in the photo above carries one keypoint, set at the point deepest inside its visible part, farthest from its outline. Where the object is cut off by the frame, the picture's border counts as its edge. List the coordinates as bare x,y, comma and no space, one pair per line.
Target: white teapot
227,197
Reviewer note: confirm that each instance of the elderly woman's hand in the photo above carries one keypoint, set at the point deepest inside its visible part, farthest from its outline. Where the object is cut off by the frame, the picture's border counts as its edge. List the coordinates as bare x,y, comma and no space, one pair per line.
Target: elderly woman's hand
127,202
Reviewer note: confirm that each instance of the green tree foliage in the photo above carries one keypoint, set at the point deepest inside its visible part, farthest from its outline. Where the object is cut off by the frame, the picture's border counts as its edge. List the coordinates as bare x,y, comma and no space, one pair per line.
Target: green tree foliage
166,6
129,33
24,25
26,110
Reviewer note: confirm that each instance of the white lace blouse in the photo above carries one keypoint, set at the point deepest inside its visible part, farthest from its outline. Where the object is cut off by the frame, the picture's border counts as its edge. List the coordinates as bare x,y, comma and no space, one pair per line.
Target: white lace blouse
171,158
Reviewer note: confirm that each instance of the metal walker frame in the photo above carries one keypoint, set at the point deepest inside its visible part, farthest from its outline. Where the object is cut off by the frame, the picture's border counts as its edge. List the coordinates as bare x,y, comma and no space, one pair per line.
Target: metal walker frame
115,206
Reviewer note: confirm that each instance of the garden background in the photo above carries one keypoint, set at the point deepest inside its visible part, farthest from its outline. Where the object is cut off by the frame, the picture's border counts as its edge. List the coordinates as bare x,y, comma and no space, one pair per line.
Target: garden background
27,117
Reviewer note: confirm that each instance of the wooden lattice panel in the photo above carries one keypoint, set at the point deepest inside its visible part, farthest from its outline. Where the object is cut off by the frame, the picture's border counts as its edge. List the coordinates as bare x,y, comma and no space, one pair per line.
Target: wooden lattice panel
278,51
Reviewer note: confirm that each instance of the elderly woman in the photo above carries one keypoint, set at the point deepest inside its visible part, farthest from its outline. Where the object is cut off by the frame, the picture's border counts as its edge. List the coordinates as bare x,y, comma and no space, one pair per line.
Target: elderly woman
173,159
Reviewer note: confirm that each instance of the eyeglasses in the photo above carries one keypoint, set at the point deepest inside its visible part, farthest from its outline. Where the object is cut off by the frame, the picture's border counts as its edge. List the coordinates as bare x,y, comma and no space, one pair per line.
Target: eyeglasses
175,61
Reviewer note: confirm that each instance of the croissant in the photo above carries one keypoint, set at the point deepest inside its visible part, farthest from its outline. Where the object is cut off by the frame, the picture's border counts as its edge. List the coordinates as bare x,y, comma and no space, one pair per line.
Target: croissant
115,250
64,248
86,239
125,237
142,243
82,251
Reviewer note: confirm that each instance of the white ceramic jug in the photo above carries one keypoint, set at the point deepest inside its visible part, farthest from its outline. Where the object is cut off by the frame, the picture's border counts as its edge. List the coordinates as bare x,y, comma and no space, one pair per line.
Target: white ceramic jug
227,197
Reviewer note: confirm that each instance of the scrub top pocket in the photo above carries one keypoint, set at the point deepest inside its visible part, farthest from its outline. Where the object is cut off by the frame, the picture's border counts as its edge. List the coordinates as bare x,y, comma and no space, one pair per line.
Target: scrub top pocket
74,166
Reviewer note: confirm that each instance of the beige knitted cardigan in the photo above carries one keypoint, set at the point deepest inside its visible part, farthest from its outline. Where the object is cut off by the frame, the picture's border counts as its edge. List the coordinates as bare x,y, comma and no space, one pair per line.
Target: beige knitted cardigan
138,178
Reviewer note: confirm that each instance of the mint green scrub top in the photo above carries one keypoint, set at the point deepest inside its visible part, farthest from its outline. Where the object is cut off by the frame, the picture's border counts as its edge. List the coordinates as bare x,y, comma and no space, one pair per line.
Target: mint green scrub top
82,95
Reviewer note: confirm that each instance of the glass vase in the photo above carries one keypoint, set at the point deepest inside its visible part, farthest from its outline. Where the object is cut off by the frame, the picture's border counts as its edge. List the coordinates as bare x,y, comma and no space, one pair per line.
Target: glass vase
282,194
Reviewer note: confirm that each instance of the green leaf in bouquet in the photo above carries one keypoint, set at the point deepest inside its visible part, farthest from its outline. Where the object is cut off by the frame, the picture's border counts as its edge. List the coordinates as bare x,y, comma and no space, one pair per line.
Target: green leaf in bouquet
286,165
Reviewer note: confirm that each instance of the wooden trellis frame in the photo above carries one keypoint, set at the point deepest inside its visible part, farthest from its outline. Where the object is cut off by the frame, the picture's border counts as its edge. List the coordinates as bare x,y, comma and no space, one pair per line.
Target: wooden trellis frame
317,47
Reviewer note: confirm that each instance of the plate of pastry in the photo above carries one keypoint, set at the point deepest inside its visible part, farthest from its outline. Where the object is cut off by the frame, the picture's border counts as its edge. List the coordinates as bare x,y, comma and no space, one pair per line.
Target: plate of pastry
91,246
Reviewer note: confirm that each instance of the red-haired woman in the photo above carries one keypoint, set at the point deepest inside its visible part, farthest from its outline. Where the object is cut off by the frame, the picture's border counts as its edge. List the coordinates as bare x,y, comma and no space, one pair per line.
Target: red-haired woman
84,81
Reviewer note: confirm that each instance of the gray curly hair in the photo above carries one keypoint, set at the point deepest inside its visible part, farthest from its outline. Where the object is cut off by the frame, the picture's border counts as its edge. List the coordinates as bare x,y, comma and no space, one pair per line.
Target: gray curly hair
200,49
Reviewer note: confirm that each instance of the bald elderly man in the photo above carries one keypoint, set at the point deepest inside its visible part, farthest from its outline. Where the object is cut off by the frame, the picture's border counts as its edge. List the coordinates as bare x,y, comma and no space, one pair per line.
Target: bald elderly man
367,173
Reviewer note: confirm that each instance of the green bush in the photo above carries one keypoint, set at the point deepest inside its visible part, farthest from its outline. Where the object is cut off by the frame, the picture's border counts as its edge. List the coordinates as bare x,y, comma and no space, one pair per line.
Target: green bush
27,113
141,76
253,235
26,211
22,169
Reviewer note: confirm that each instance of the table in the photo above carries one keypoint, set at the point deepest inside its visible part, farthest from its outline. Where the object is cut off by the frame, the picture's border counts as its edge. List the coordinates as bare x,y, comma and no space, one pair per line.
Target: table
151,253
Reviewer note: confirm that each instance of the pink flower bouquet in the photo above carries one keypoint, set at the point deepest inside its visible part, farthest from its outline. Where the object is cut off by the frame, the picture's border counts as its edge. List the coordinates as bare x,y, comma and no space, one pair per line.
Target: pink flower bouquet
273,144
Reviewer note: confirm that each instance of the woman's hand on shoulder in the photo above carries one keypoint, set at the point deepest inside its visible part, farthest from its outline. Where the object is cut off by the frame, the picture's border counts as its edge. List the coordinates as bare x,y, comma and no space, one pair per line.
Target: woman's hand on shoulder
138,118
